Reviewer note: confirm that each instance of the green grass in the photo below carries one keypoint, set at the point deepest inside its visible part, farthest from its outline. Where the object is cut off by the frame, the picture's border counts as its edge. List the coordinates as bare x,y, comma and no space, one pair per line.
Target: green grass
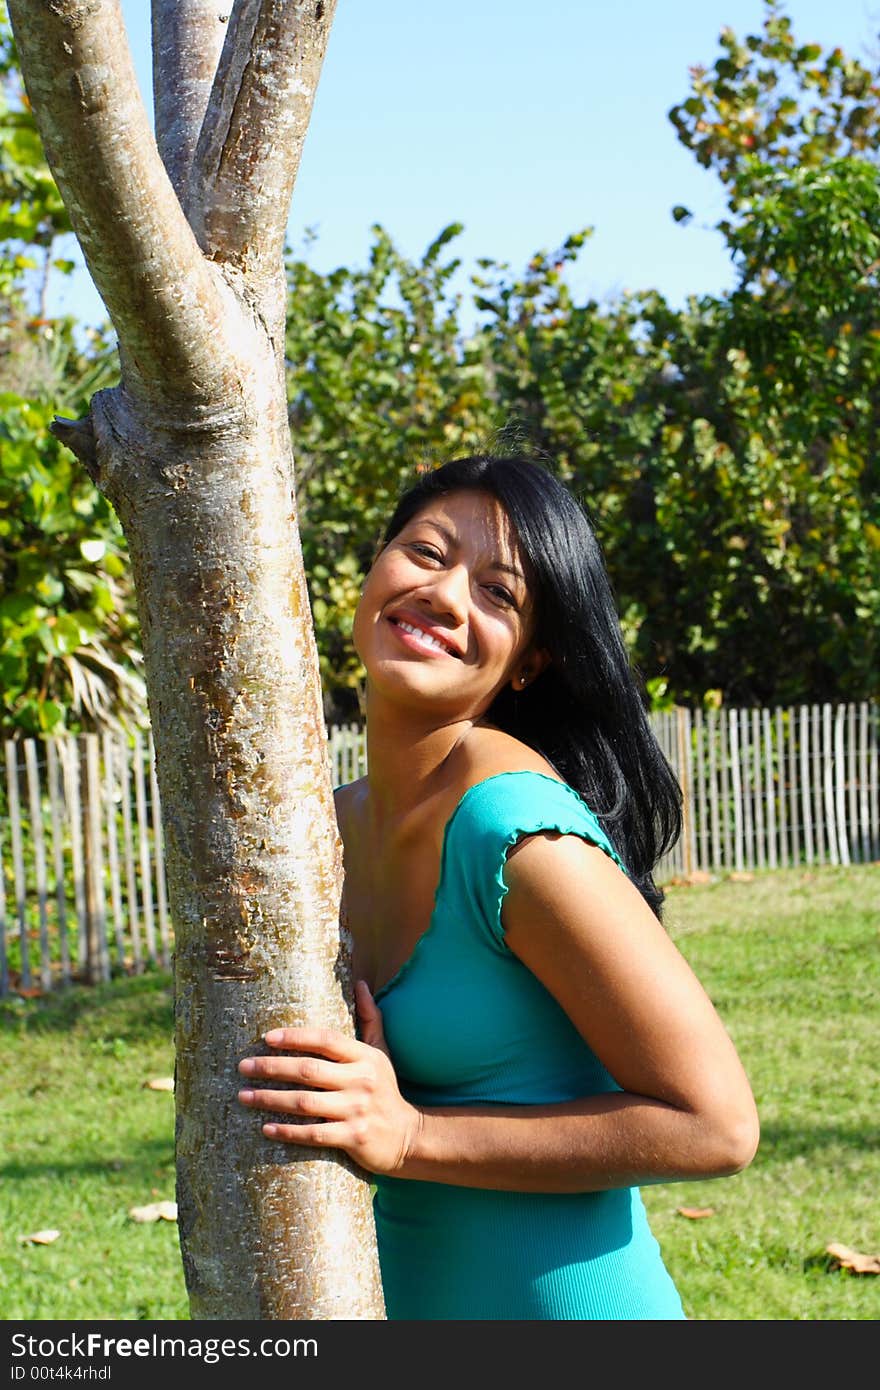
84,1141
792,961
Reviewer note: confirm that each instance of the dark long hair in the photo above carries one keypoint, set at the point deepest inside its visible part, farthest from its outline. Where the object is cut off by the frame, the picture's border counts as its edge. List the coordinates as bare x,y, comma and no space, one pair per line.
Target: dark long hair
586,711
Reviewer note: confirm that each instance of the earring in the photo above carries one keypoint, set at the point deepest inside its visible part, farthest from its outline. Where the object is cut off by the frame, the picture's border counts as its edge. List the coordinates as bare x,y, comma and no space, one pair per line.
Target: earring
522,680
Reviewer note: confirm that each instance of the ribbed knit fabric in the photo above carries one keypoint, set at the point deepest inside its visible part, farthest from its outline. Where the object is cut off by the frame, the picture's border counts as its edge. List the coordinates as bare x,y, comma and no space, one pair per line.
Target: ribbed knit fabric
465,1023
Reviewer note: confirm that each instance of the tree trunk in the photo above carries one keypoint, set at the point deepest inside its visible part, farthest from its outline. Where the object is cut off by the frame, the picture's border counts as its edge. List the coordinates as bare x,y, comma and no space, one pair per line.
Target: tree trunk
193,450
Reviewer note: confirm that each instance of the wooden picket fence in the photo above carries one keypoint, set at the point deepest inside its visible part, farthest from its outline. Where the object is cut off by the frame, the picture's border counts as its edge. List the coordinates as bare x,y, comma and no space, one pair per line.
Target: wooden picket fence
772,788
82,876
82,861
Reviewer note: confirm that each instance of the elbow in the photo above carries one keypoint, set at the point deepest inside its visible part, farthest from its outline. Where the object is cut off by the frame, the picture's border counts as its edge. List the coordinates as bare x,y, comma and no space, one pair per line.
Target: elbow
735,1138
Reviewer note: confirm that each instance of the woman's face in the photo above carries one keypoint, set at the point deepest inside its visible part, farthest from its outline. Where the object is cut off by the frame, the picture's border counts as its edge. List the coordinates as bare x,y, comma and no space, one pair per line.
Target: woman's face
446,615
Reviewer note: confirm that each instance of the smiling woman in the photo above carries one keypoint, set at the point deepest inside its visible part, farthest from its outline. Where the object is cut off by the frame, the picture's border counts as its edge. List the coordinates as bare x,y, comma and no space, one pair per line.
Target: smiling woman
531,1047
459,551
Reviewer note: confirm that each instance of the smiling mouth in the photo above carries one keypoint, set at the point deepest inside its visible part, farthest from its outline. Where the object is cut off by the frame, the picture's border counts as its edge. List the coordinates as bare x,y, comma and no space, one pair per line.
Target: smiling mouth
416,637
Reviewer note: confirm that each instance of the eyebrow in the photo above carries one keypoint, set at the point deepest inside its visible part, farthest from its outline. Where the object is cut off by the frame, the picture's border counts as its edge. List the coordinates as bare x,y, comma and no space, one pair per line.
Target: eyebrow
496,564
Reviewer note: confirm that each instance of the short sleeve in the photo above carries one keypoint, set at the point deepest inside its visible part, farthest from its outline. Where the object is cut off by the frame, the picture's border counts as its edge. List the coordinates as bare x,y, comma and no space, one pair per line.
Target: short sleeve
492,816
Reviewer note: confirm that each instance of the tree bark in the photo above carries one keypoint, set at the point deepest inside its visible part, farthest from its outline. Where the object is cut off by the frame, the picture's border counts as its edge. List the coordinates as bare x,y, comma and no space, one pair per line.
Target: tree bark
187,43
193,450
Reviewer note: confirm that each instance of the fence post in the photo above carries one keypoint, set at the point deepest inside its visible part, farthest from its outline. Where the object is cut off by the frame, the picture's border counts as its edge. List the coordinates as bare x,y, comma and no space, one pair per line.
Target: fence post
39,849
864,816
684,777
19,879
97,959
144,846
158,853
840,785
56,811
736,789
108,747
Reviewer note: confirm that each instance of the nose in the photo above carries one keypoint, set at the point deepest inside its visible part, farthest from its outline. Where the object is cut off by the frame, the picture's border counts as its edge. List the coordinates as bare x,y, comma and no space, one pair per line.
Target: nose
449,590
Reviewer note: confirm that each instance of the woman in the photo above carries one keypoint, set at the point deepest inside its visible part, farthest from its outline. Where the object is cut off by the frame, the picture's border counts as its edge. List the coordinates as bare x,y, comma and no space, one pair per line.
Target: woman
531,1046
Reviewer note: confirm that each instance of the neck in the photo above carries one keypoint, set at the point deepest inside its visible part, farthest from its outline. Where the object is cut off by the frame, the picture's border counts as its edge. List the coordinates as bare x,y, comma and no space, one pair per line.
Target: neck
407,756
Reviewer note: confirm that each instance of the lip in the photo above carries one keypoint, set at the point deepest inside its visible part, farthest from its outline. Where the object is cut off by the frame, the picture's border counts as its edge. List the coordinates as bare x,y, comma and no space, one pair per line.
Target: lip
439,634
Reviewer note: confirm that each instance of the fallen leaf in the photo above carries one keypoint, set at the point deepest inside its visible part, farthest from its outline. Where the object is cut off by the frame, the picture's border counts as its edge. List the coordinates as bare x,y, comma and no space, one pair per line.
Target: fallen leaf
156,1211
699,876
854,1259
737,876
695,1213
39,1238
160,1083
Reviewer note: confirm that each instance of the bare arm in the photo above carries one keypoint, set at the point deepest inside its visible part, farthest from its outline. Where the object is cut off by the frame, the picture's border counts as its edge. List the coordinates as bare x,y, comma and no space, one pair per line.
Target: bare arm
686,1109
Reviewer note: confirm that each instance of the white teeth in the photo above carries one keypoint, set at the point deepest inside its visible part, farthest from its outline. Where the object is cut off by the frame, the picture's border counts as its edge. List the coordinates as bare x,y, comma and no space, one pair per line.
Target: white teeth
425,637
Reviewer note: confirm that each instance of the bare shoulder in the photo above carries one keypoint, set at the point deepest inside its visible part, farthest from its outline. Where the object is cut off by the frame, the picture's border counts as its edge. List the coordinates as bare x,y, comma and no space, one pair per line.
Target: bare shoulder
558,865
488,750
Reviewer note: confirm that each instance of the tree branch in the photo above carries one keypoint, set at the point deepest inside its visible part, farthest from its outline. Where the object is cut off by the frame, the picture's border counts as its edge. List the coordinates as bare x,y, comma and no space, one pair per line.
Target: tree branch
164,300
249,151
187,41
79,438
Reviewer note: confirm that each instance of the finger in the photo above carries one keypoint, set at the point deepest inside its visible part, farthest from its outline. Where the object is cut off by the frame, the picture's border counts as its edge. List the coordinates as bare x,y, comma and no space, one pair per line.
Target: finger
365,1001
300,1071
312,1105
370,1016
327,1042
327,1136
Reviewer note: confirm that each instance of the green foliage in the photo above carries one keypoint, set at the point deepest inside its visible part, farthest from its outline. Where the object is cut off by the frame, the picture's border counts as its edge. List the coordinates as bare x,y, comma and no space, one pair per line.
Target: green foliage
791,104
69,655
725,451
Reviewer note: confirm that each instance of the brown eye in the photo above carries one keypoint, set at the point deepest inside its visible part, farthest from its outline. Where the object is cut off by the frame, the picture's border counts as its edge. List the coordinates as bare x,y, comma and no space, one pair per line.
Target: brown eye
502,594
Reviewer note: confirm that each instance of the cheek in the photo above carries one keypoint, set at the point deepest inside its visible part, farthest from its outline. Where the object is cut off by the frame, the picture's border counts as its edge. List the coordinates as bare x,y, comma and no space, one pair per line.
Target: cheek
504,637
369,604
357,627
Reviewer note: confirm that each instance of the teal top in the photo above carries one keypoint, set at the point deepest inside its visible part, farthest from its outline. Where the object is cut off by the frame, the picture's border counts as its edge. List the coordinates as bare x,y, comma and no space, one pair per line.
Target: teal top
467,1023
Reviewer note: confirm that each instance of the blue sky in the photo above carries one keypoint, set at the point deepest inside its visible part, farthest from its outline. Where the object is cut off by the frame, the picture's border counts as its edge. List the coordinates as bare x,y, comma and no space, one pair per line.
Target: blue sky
524,120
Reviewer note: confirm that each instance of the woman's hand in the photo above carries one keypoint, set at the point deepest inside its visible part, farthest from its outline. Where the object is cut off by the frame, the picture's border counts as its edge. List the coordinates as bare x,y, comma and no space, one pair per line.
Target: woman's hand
356,1103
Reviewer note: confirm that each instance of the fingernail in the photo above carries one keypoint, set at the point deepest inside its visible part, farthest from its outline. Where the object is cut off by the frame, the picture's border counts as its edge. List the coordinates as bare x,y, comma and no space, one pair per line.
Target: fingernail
246,1066
246,1096
274,1035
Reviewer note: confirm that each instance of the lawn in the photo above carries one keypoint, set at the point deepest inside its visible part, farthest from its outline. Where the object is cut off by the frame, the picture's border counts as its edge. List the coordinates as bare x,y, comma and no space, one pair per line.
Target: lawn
791,959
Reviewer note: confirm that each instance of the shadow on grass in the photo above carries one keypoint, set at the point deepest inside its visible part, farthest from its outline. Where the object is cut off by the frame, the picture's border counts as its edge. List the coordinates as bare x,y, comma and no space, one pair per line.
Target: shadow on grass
781,1143
146,1158
143,1001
